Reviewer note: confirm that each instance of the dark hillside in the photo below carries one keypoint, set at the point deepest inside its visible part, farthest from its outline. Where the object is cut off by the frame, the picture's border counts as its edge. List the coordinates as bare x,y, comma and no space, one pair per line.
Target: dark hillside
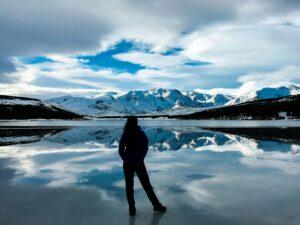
276,108
28,108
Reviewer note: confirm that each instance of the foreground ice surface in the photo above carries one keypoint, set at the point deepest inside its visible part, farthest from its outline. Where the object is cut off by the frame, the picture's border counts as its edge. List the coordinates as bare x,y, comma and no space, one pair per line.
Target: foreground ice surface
75,177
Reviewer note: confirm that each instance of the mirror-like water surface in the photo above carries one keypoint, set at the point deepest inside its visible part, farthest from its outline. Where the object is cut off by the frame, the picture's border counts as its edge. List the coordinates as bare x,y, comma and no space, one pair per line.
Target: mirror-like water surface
73,175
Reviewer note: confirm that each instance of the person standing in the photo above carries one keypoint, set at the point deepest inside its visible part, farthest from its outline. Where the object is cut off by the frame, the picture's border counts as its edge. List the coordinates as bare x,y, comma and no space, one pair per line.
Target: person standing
133,148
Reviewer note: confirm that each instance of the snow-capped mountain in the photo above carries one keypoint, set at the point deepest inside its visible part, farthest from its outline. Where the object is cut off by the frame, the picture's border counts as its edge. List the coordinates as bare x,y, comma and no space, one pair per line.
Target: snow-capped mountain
209,100
139,102
162,101
266,93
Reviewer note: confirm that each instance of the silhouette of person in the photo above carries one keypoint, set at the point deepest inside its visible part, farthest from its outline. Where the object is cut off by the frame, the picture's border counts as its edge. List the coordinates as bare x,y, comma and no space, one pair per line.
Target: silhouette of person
133,148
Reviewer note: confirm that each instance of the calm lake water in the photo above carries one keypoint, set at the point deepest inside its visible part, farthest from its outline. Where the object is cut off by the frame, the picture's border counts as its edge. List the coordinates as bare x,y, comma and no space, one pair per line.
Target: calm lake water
56,172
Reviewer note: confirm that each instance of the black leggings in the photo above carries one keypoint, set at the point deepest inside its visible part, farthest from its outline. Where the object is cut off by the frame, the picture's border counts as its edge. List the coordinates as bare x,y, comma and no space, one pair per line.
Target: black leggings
142,174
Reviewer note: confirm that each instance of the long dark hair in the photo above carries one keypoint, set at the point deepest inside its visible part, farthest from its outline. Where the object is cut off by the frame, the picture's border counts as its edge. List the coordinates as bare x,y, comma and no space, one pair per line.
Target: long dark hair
130,128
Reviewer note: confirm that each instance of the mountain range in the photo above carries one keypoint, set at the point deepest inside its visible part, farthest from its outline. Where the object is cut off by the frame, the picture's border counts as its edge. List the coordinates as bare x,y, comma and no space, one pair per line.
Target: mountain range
162,101
154,103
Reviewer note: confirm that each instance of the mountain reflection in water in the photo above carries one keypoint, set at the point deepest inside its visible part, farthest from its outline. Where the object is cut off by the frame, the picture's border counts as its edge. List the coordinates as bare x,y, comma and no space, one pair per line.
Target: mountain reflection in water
160,139
74,176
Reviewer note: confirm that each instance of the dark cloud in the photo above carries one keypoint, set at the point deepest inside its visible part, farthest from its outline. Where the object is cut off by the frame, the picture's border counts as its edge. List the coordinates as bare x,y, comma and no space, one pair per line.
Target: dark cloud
35,28
7,66
188,15
283,6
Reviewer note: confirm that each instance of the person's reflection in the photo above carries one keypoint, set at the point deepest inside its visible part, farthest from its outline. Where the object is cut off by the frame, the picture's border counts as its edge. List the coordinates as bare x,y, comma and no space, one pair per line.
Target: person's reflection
154,221
155,218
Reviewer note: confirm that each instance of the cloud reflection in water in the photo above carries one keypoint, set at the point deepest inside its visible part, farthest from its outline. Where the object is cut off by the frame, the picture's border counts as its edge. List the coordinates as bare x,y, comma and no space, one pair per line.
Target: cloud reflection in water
201,173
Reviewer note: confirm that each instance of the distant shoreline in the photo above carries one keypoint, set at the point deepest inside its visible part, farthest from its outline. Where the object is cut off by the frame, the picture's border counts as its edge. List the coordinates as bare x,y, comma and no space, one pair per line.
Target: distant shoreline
151,123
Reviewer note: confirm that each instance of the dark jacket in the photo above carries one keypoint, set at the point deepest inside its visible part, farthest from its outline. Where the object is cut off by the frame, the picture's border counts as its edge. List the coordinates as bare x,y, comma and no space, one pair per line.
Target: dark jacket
134,151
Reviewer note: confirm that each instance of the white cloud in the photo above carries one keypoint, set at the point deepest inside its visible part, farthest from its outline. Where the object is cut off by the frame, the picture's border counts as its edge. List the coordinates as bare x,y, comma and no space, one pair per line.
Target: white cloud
67,76
247,47
283,75
43,92
254,81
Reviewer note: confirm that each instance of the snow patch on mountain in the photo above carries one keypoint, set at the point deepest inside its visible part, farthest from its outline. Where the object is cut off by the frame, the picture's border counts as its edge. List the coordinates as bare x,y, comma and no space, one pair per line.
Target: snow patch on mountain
266,93
12,101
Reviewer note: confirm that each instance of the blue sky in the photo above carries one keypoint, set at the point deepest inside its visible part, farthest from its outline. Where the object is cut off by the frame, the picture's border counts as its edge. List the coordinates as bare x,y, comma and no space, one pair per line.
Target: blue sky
106,60
85,48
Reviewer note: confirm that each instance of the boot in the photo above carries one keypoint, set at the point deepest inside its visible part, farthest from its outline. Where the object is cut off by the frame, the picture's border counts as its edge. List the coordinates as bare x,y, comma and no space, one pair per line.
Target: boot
159,208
